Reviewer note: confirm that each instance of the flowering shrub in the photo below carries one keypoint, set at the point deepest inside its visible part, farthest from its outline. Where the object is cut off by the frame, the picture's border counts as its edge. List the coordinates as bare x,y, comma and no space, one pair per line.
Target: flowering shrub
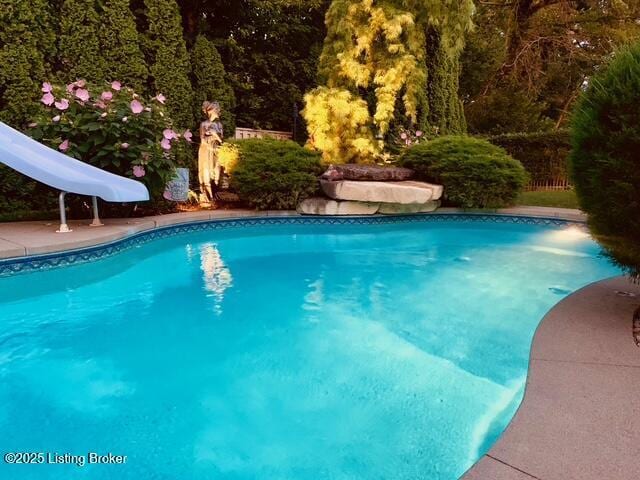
112,128
407,137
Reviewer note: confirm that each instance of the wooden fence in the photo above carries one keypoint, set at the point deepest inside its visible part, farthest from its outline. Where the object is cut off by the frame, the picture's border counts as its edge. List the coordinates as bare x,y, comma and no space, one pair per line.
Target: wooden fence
552,184
244,133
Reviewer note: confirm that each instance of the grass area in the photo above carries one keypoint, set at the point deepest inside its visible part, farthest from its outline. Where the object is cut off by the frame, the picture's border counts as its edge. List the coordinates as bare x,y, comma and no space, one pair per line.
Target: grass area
552,198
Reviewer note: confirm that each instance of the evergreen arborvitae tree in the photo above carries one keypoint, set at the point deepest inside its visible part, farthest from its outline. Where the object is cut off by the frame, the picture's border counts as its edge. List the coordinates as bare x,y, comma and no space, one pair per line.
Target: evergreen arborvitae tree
26,39
169,64
377,52
605,166
209,82
444,114
120,45
78,45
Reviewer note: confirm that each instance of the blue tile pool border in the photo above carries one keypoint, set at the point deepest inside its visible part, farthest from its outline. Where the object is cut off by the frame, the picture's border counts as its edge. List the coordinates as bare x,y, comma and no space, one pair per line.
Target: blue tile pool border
65,258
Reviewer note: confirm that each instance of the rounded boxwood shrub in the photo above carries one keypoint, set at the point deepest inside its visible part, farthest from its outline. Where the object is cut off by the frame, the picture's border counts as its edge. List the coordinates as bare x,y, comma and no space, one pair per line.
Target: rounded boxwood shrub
273,174
474,172
604,161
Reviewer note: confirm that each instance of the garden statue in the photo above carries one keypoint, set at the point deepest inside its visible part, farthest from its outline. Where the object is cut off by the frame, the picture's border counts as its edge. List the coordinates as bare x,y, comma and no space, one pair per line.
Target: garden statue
211,135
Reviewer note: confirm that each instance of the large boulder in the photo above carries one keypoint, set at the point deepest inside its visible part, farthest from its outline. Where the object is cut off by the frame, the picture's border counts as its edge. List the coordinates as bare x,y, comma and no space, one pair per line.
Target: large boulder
407,192
401,209
366,172
325,206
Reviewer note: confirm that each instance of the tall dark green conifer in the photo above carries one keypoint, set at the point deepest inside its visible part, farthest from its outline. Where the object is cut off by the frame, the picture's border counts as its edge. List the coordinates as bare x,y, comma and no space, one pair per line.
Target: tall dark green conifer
120,45
168,61
445,113
209,82
26,39
78,46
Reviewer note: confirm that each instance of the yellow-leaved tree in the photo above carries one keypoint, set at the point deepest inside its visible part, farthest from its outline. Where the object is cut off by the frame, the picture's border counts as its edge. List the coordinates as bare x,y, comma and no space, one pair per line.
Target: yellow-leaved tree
373,73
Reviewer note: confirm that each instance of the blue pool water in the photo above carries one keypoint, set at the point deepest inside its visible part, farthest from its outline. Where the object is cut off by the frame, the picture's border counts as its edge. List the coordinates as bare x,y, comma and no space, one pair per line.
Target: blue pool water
282,352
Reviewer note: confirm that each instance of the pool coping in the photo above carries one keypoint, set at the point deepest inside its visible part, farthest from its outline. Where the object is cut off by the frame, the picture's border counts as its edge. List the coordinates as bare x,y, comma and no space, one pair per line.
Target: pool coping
585,337
34,246
29,239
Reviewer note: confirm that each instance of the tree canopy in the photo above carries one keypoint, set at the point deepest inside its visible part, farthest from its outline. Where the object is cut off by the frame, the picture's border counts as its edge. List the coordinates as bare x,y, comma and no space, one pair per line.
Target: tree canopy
545,50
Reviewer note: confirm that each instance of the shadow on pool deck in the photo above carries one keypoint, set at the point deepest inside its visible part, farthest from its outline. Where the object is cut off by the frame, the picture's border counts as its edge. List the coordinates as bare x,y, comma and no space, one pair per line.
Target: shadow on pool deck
580,418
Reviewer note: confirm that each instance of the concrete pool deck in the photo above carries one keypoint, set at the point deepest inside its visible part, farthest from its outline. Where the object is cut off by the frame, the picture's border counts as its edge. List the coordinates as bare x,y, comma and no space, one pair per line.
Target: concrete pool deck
580,418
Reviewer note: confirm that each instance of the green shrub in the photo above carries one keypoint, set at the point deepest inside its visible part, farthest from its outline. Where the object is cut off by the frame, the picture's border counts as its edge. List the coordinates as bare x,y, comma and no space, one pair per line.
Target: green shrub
274,173
605,165
474,172
544,155
19,195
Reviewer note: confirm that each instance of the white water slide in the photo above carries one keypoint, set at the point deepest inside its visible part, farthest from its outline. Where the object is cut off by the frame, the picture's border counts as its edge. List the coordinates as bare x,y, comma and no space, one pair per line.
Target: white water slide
66,174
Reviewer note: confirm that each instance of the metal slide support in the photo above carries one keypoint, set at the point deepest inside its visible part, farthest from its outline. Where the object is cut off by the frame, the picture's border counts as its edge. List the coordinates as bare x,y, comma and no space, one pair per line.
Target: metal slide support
96,218
64,228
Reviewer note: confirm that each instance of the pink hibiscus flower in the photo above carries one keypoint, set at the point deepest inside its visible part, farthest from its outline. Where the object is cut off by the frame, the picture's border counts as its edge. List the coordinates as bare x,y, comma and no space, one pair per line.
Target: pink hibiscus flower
116,85
136,107
166,144
106,96
418,133
188,136
64,146
160,98
62,104
48,99
46,87
82,94
56,119
138,171
169,134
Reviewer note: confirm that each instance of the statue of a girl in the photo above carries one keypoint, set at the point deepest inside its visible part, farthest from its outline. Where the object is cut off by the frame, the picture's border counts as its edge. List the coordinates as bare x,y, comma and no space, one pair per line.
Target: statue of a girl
211,136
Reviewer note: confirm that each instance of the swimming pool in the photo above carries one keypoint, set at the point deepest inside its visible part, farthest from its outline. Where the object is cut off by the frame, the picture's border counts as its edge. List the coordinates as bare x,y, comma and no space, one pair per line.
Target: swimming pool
282,349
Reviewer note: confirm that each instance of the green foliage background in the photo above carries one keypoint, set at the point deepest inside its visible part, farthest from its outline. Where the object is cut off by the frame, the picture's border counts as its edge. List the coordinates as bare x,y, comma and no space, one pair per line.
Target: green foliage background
544,155
209,83
120,45
27,43
79,53
605,164
168,59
